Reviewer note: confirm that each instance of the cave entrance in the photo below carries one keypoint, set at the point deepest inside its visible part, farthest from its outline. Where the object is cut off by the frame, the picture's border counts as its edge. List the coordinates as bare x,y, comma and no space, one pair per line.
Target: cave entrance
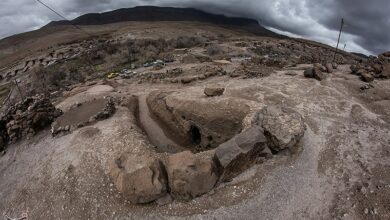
196,137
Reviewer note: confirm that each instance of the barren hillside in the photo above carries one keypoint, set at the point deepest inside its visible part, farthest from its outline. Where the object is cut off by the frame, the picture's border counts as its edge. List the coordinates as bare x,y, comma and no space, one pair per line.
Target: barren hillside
195,118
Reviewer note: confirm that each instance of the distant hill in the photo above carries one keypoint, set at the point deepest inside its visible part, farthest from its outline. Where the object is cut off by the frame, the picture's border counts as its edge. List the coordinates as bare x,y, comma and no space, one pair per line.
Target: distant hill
151,13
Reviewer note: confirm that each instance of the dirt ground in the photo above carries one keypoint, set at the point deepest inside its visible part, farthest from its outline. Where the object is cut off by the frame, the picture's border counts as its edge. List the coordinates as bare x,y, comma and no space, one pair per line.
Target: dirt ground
340,173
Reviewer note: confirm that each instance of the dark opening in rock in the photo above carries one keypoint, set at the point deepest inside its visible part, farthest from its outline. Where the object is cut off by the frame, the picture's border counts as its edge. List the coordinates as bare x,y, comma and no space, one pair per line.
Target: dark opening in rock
196,137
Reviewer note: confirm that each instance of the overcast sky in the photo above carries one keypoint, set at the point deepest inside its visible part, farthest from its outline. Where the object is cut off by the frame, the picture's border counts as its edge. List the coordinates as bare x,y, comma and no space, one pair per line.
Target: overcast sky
367,27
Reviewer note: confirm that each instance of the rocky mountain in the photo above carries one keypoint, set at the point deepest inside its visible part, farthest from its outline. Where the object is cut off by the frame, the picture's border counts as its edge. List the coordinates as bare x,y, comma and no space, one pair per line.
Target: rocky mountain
152,13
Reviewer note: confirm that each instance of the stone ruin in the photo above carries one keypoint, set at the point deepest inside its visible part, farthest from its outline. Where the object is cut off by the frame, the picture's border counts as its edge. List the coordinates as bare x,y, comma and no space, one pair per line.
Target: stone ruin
25,119
222,148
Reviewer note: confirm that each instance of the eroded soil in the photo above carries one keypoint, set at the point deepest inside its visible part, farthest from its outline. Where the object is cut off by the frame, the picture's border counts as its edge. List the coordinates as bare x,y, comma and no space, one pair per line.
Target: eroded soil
340,172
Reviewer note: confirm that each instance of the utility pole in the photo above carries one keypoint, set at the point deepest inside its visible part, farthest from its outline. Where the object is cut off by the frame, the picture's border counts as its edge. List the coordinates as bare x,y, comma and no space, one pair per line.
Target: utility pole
338,41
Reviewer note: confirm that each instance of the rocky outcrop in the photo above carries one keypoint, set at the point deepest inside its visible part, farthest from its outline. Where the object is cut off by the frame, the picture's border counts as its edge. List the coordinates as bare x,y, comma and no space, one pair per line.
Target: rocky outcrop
185,175
214,90
191,175
26,118
240,152
140,178
373,67
283,127
200,122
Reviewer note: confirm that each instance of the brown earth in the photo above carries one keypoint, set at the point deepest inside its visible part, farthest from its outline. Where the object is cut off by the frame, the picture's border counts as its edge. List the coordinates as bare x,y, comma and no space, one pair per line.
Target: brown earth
340,172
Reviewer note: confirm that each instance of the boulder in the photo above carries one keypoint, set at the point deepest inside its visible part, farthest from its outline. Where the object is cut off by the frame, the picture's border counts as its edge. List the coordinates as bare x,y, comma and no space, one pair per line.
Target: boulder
214,90
308,73
283,127
240,152
377,68
386,71
329,68
354,68
140,178
386,54
318,72
188,79
367,77
191,175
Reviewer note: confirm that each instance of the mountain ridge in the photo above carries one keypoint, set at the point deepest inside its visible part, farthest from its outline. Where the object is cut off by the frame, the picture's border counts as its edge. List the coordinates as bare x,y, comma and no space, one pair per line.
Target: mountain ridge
154,13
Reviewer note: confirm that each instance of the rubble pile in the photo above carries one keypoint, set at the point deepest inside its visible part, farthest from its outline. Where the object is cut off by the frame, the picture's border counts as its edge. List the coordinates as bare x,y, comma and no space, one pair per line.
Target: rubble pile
373,68
252,69
26,118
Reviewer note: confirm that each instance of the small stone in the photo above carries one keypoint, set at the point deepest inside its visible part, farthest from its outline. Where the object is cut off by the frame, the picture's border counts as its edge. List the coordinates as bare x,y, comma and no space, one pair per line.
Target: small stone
167,199
367,77
188,79
214,90
366,211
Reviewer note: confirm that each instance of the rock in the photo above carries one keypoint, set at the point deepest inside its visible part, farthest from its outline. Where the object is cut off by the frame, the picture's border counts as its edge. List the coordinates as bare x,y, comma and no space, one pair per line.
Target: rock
354,68
329,68
386,54
191,175
367,77
240,152
140,178
367,86
318,72
283,127
167,199
386,71
308,73
235,74
190,58
214,90
335,66
291,73
377,68
201,123
188,79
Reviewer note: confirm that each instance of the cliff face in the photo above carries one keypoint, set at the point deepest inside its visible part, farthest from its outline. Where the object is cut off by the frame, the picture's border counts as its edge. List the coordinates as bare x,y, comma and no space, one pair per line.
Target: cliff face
151,13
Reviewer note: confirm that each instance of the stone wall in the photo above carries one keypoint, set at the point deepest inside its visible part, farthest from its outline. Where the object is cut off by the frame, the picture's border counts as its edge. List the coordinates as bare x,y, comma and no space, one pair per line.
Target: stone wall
25,119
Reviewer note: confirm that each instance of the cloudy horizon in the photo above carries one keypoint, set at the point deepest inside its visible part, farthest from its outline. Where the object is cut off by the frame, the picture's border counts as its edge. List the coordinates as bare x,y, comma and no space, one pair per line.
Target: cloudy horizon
367,23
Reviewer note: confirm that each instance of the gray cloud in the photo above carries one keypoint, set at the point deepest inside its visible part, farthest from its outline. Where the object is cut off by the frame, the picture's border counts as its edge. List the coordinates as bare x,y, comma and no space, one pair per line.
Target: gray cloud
367,22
